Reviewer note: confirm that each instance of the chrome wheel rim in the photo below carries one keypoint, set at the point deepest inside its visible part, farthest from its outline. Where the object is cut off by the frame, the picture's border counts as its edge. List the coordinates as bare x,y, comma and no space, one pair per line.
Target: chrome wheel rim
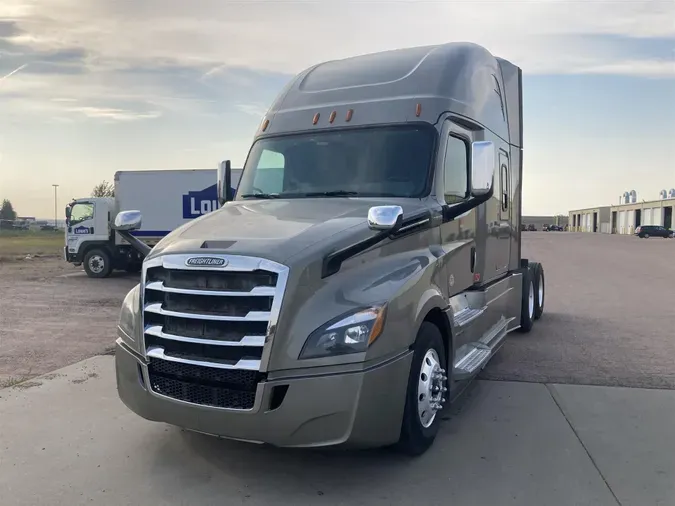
96,264
430,388
541,291
531,300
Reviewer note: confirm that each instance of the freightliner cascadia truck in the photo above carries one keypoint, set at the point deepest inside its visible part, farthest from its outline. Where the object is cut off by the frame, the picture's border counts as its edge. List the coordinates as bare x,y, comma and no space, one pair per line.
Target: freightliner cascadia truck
166,198
367,268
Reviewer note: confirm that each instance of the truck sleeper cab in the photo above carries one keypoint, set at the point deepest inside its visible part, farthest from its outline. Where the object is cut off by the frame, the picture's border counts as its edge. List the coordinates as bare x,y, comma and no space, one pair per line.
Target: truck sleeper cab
367,269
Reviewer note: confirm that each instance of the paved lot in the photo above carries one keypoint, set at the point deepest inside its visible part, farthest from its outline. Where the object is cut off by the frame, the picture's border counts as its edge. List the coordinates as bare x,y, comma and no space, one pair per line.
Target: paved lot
609,315
65,438
509,444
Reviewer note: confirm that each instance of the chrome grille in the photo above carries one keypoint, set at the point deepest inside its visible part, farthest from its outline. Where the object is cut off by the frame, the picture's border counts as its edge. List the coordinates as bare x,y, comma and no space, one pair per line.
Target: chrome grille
204,325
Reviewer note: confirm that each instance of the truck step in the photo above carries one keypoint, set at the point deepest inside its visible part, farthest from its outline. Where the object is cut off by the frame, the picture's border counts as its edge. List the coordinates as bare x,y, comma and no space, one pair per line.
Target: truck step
465,316
471,362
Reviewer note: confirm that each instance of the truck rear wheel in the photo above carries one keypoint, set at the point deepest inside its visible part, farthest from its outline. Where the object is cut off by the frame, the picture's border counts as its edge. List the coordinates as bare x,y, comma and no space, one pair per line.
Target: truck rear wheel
528,301
97,263
426,393
539,288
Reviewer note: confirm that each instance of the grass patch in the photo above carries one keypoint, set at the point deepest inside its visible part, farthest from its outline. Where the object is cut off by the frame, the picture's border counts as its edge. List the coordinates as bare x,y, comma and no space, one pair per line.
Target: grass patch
15,243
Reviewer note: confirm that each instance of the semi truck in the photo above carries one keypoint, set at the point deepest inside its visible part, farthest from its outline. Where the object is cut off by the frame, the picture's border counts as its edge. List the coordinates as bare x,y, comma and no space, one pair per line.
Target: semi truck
167,199
366,270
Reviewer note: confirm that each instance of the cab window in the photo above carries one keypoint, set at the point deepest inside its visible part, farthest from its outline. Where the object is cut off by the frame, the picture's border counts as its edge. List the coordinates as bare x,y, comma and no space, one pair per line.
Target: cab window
456,170
81,212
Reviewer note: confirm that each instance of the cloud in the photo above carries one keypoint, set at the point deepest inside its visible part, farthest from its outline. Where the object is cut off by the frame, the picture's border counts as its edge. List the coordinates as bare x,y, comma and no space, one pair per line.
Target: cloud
158,56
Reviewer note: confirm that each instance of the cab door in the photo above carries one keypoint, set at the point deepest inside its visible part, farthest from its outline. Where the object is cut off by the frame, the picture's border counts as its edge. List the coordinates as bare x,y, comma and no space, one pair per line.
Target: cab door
82,226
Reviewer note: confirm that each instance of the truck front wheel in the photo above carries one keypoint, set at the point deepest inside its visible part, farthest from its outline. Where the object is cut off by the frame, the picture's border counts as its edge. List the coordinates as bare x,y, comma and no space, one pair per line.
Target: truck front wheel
97,263
426,393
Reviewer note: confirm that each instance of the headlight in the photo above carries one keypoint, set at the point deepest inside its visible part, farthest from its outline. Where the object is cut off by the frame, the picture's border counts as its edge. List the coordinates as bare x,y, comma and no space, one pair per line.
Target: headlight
350,333
129,316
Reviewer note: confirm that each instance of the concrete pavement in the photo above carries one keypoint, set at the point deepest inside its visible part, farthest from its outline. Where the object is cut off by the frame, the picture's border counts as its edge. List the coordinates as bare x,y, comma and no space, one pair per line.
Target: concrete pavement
66,439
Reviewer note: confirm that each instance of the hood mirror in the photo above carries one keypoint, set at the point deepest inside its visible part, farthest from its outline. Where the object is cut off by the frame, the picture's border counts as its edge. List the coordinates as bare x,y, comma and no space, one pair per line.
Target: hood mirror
482,167
128,220
385,218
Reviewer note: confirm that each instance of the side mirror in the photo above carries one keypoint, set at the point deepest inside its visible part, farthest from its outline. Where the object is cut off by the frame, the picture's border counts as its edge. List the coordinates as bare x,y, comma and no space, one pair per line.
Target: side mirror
385,217
482,167
224,182
127,220
69,210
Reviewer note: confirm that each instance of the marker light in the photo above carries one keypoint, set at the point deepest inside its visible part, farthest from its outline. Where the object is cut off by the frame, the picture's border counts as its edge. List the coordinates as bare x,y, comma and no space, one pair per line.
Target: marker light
316,119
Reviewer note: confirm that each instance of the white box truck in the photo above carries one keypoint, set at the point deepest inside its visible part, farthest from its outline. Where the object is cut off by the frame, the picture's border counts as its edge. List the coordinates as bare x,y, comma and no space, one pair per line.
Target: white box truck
166,198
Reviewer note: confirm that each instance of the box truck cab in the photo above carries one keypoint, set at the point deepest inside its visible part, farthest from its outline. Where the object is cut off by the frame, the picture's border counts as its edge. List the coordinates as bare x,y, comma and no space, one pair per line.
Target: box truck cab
368,267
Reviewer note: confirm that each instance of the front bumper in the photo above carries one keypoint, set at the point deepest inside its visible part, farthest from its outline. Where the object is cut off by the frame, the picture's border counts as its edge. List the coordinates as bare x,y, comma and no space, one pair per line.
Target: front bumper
357,409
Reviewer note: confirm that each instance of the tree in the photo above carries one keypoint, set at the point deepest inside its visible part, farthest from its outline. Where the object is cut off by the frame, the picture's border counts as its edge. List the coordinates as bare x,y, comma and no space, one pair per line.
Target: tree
103,189
7,211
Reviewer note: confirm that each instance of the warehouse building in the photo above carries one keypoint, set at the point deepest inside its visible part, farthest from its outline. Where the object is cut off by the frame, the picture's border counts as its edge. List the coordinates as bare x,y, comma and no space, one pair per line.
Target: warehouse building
626,216
540,221
595,219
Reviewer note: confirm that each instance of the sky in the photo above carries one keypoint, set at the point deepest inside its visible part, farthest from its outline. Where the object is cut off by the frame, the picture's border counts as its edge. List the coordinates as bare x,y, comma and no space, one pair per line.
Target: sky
91,87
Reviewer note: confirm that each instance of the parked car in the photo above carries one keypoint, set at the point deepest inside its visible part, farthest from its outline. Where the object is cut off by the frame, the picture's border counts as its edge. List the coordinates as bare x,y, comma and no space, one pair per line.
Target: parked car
545,228
555,228
531,228
646,231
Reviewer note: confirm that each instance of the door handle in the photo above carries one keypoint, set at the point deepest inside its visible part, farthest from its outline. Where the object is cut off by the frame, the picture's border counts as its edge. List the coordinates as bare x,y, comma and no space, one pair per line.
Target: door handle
473,258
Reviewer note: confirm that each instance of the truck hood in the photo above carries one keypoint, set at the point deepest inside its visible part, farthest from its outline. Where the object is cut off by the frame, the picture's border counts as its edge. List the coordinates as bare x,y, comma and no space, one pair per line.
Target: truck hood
274,229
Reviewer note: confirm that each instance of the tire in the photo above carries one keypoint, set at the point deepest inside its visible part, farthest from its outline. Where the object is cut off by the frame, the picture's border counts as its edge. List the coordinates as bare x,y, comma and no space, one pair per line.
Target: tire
539,289
527,303
97,263
645,236
417,436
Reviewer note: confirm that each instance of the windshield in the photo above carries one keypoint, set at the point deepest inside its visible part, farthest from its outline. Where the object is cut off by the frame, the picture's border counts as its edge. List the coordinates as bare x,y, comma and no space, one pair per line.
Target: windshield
81,212
385,162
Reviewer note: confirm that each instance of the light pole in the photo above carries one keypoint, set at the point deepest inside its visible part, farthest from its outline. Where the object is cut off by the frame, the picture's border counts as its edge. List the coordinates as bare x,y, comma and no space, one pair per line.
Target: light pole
55,187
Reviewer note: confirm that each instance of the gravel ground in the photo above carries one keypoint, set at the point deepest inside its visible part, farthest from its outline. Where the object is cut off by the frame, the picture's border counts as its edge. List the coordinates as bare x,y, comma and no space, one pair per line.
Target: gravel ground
608,317
52,315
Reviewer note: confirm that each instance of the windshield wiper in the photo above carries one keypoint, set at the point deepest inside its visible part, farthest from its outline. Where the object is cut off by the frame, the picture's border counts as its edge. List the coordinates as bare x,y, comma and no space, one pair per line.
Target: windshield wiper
335,193
261,195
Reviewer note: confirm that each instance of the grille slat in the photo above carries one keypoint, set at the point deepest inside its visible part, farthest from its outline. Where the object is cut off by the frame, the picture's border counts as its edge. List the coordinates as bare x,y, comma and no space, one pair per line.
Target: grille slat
204,323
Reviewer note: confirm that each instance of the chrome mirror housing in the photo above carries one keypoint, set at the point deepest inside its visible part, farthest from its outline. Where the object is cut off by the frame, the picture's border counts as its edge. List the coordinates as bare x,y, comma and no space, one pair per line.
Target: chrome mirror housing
385,217
128,220
482,167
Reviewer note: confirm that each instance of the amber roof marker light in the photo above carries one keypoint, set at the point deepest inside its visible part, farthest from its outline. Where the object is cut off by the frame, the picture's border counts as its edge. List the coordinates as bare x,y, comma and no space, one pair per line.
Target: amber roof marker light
316,119
265,124
418,110
332,117
350,113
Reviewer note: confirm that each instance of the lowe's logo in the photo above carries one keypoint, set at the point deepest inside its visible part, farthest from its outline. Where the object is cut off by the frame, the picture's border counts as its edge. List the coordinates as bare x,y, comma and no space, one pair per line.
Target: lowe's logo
200,202
81,230
206,262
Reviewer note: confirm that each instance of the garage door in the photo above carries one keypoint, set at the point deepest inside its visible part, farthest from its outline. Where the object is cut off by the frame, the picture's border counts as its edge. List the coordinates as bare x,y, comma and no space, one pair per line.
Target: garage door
630,225
656,216
647,218
622,222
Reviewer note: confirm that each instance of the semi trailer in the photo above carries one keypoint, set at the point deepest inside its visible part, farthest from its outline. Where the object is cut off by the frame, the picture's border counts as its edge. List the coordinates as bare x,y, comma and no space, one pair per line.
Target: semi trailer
366,270
167,200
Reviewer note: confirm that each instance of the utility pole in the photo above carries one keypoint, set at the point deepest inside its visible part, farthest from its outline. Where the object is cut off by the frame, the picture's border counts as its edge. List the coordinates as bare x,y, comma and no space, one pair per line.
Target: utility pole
55,214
